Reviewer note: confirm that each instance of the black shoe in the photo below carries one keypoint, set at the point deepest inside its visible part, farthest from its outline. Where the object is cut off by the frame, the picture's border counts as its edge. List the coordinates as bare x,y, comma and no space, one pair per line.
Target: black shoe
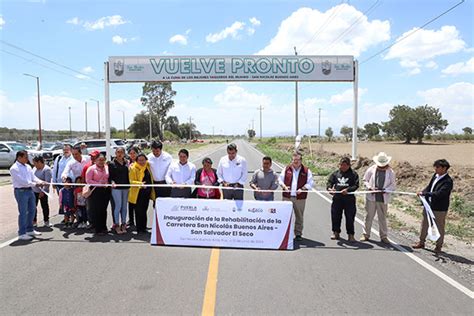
298,238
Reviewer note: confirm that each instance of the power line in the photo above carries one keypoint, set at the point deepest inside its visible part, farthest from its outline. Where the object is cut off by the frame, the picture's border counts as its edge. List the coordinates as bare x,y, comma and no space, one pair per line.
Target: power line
324,25
45,66
411,33
353,24
48,60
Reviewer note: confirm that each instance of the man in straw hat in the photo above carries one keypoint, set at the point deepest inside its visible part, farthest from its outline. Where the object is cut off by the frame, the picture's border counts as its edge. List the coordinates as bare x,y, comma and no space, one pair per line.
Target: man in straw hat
379,177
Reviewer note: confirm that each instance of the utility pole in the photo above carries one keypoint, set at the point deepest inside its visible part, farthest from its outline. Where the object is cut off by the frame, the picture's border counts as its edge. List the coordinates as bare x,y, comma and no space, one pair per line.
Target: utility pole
85,107
190,126
149,120
260,108
70,125
40,136
98,116
253,128
123,122
319,123
296,102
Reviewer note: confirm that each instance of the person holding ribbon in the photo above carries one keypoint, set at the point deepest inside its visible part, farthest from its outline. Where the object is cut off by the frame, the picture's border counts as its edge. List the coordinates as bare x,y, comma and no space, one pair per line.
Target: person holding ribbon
207,176
141,173
232,173
379,177
182,172
437,194
97,176
340,184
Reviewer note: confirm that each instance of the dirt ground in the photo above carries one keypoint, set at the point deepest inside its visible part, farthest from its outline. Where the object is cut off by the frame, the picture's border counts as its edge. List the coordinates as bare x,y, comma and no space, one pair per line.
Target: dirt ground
457,153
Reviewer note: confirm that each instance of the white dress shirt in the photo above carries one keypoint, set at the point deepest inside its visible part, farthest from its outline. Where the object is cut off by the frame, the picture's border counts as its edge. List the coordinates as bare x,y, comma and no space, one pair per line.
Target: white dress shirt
438,177
58,167
74,168
159,165
294,180
181,174
23,176
232,171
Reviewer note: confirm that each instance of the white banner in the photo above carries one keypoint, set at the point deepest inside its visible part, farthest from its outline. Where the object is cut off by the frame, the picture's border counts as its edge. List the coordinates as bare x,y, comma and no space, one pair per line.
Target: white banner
230,68
223,223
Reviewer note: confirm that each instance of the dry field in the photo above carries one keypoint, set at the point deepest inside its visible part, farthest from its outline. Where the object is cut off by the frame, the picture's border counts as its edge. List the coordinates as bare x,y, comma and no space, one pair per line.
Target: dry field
457,153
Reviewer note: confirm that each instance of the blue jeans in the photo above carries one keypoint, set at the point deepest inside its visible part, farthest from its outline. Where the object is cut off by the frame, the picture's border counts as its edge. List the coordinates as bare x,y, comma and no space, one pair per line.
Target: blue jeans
26,210
120,197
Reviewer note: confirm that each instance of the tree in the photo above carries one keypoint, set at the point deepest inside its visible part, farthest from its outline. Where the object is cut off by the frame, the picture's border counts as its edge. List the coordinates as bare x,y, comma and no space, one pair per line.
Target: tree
157,97
251,133
346,131
186,128
414,123
141,127
372,130
172,124
467,130
329,133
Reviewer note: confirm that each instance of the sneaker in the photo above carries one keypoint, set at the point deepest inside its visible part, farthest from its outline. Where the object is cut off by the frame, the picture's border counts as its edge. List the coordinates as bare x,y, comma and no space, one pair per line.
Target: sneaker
350,238
124,228
47,224
33,233
25,237
335,236
385,240
364,237
298,238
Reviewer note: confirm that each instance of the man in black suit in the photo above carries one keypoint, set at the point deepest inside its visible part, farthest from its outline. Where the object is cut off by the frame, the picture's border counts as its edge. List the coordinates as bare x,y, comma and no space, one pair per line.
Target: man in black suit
437,194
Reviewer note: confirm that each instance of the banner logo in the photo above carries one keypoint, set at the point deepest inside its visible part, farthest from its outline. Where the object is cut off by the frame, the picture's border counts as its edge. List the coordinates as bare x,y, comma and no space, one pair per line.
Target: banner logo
118,67
326,67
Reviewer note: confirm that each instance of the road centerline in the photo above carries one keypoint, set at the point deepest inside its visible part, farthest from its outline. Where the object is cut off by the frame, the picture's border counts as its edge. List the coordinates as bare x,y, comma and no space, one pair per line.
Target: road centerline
209,302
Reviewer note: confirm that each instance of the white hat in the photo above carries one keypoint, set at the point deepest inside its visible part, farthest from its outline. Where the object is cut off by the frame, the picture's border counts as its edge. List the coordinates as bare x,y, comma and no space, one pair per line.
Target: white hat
381,159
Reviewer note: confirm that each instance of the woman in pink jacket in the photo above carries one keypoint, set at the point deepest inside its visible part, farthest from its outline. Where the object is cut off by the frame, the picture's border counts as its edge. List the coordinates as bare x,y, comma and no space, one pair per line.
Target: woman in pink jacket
99,199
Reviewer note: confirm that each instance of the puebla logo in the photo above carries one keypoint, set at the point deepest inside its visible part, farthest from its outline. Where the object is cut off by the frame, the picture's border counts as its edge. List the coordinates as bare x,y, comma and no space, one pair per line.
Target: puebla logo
118,67
326,67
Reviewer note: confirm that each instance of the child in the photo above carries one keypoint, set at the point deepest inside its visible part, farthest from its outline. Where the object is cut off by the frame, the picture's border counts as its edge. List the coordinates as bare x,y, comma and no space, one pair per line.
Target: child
80,205
66,202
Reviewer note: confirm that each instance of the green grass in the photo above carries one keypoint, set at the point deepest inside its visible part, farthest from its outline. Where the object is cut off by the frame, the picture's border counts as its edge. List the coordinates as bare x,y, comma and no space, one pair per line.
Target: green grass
394,222
463,230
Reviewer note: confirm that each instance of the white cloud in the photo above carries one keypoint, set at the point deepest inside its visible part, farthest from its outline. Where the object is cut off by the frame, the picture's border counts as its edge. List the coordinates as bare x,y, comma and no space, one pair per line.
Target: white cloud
254,21
87,70
431,65
425,45
460,68
346,97
230,31
300,28
55,114
99,24
116,39
456,103
2,22
414,71
83,77
180,38
237,97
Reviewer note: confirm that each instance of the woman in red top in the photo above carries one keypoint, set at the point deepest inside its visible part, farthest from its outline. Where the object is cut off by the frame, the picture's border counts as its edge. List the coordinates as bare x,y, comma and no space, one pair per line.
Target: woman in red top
207,176
99,199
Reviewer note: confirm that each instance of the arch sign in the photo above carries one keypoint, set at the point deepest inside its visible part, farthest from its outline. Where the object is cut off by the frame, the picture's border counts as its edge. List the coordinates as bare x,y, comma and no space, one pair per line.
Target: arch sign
248,68
231,68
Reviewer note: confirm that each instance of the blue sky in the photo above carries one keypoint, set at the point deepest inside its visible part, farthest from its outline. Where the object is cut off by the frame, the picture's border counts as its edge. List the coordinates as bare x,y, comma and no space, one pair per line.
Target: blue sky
433,66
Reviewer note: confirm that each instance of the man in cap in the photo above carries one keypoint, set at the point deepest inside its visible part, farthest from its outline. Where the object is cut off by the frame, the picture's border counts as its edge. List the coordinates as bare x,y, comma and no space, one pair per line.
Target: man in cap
379,177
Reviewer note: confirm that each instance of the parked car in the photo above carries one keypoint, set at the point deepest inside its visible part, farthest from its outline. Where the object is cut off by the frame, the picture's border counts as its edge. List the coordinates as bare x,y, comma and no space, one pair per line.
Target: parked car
140,143
9,149
99,144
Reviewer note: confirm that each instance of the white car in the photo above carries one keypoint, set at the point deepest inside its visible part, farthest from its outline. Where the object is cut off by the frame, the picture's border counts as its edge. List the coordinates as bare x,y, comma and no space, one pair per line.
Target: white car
99,144
8,152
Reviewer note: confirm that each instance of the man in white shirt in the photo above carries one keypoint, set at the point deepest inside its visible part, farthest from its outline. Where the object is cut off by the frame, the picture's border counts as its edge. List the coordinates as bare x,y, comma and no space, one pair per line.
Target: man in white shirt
159,161
23,180
74,167
232,173
296,180
181,172
60,163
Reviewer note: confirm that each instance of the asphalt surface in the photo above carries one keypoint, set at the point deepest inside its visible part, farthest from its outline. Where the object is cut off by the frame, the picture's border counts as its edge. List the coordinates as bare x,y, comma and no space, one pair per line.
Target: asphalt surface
71,272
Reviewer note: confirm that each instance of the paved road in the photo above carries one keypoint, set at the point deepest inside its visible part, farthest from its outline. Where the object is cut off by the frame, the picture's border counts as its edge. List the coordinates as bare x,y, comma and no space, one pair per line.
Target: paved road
69,272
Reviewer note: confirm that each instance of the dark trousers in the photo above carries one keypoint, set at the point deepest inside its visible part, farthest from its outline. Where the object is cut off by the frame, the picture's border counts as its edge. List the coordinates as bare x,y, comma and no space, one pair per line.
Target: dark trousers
162,191
90,217
112,208
44,206
181,193
233,194
58,188
141,208
99,200
81,213
131,213
346,205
